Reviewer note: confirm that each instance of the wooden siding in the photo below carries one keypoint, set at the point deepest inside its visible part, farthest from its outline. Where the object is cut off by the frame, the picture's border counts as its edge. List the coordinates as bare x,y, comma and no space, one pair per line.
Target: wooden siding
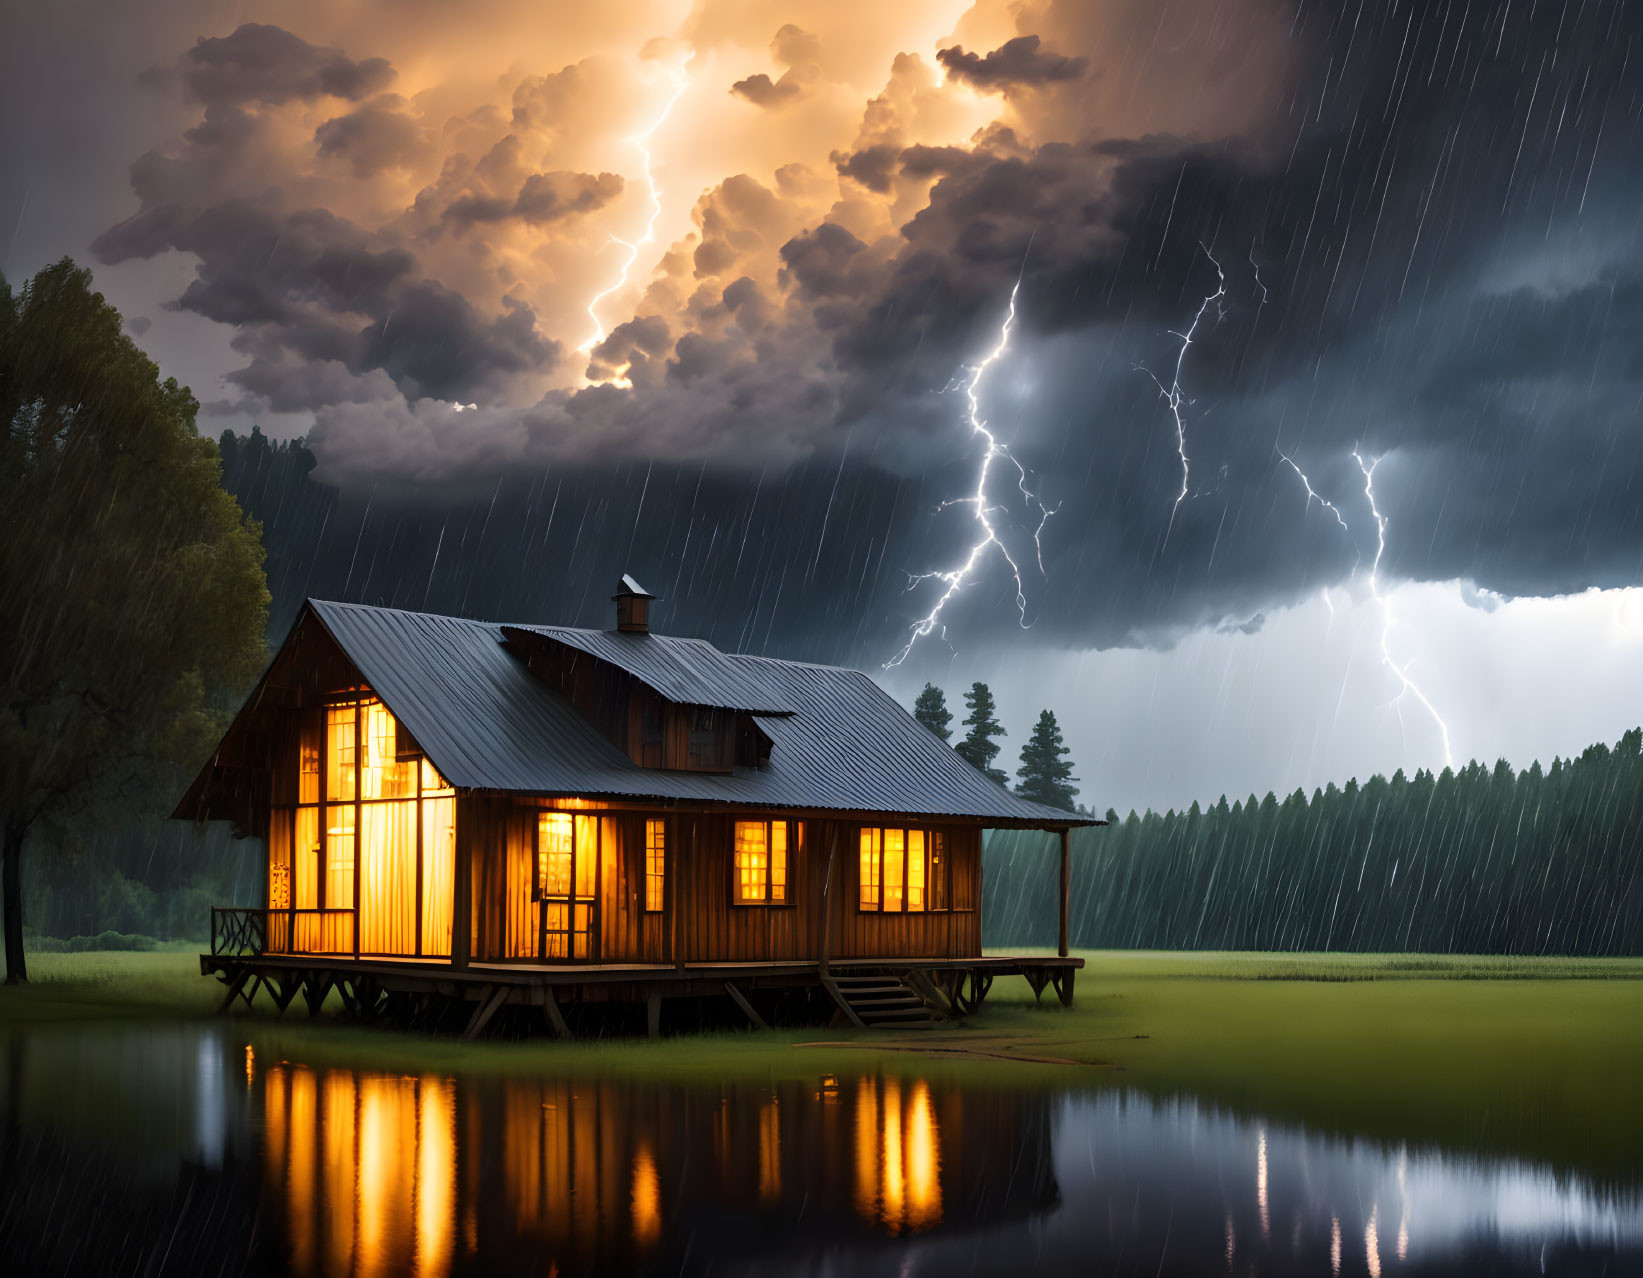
699,923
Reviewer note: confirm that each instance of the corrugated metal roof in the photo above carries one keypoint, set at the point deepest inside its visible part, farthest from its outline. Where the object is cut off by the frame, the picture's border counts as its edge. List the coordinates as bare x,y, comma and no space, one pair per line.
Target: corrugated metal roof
690,671
839,740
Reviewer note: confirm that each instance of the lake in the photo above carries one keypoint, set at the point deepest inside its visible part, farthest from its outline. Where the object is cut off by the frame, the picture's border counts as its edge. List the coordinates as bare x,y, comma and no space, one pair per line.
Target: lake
181,1150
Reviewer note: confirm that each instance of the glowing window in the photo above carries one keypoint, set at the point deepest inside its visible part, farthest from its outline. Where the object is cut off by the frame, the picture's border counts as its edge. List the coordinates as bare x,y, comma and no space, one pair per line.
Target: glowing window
872,856
373,820
655,863
340,775
555,852
903,871
760,863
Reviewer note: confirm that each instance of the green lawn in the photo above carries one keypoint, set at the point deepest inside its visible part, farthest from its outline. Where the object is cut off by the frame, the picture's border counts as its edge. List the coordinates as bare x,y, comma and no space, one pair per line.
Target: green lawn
1535,1057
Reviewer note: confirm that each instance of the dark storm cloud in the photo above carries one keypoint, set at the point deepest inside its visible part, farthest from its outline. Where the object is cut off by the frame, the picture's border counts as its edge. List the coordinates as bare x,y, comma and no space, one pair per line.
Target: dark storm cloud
798,50
314,298
1429,251
268,64
1433,262
295,285
375,136
1017,63
761,90
544,197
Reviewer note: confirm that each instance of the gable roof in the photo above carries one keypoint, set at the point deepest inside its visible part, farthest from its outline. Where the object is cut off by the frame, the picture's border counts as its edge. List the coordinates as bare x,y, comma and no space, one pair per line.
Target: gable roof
839,741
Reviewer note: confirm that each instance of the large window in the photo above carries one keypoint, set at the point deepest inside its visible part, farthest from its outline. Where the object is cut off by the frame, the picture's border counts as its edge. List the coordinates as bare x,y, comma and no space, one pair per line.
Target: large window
761,862
903,871
365,857
655,864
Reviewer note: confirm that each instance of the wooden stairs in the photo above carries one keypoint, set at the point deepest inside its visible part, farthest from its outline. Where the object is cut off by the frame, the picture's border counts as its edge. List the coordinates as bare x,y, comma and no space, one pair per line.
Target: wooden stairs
880,1001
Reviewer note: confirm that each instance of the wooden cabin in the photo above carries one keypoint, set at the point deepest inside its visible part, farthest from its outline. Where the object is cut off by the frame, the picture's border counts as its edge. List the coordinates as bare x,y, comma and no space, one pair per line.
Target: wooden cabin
531,813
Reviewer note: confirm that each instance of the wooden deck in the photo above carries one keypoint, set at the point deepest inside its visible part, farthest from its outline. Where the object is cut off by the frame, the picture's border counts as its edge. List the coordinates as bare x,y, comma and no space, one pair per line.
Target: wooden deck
945,987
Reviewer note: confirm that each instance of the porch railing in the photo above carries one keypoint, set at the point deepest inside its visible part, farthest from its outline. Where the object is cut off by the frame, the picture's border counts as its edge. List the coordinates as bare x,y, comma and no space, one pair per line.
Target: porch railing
254,930
238,931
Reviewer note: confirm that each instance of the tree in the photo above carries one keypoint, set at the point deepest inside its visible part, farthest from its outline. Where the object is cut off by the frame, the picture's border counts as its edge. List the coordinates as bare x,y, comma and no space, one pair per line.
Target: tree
132,593
931,710
980,747
1046,775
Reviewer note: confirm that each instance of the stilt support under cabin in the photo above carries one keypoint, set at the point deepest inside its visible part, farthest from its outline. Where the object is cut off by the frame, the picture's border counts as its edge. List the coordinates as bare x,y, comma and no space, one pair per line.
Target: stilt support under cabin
867,993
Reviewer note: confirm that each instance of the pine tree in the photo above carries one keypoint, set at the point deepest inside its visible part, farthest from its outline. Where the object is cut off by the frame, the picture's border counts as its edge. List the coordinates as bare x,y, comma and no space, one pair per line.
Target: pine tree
979,747
1046,775
931,710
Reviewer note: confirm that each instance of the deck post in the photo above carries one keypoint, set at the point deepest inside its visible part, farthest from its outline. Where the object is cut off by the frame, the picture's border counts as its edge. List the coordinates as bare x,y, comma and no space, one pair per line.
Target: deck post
1066,881
653,1015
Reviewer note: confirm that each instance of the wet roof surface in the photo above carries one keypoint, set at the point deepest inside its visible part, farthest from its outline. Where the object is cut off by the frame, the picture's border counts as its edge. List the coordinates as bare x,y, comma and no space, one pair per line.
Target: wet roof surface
839,740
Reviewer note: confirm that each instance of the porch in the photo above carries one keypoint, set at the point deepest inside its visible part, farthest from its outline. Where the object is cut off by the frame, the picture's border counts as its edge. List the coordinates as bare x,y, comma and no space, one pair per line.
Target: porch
900,992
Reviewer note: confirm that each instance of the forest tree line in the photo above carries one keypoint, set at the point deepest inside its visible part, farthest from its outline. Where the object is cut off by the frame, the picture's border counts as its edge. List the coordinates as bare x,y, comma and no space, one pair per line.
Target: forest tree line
1487,861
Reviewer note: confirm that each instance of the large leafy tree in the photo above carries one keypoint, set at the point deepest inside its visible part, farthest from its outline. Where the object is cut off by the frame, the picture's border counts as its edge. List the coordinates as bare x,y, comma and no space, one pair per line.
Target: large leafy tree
980,745
931,710
132,593
1046,775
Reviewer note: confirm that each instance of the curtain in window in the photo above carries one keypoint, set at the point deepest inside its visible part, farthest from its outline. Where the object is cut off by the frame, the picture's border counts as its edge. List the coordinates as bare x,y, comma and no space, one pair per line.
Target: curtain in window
382,774
438,873
339,753
895,847
778,862
915,870
279,881
387,868
522,874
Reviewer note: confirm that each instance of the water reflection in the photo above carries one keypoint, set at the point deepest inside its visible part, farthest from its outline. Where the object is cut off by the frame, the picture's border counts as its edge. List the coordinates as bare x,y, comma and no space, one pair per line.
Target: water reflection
382,1174
188,1151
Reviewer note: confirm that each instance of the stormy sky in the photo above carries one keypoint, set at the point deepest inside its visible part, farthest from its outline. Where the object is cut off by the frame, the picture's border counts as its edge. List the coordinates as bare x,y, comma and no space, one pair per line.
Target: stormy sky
727,279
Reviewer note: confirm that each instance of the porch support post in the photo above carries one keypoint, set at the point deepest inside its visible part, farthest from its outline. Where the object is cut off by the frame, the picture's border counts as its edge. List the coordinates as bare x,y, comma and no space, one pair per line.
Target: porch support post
1066,881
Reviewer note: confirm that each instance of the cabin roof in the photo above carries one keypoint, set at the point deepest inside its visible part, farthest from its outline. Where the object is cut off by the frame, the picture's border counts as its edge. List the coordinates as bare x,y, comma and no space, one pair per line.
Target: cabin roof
839,741
689,671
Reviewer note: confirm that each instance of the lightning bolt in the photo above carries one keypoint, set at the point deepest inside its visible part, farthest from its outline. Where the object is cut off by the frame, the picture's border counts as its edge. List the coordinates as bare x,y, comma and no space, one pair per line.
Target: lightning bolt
987,537
641,143
1311,493
1387,620
1174,396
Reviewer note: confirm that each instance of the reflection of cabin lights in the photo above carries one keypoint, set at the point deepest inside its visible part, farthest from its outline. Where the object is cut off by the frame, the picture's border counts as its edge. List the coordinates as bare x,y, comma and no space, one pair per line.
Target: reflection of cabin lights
1334,1244
770,1152
898,1156
250,1067
381,1197
1260,1188
829,1085
435,1176
1372,1242
923,1158
647,1197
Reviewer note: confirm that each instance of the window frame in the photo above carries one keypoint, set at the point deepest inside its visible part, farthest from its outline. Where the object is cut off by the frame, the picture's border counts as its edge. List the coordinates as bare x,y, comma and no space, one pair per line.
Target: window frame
347,808
795,841
938,845
657,903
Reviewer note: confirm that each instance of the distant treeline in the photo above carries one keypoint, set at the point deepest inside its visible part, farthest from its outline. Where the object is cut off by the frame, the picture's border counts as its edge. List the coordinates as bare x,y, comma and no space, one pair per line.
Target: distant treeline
129,869
1475,861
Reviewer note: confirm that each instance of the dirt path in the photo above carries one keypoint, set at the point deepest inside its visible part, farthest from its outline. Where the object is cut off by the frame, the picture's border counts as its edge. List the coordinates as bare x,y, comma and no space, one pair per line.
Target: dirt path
1001,1049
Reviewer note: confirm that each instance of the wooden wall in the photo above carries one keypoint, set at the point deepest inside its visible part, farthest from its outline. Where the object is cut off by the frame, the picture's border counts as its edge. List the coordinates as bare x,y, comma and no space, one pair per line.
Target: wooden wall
699,924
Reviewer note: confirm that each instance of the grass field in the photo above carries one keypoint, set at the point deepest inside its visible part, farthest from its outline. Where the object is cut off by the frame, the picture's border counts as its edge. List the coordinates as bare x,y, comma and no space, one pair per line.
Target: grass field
1533,1057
